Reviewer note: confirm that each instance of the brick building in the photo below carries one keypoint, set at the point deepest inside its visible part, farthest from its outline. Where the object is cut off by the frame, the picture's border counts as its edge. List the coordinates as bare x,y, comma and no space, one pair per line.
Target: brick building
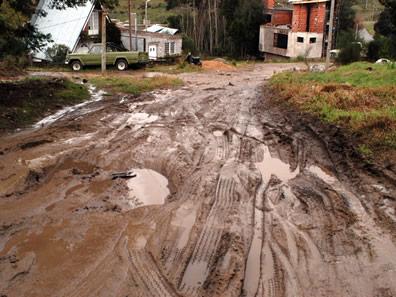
298,28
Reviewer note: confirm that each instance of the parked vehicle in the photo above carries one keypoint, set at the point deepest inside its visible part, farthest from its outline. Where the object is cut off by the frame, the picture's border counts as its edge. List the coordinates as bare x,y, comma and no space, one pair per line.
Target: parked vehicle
193,60
116,56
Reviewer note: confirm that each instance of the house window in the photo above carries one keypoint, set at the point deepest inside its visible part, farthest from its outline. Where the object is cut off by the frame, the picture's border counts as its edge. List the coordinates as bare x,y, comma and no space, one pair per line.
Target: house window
93,24
312,40
280,40
172,48
300,39
167,48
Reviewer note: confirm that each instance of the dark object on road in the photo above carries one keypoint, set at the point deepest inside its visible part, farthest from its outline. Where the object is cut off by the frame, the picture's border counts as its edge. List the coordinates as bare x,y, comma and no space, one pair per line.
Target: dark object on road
125,175
231,84
193,60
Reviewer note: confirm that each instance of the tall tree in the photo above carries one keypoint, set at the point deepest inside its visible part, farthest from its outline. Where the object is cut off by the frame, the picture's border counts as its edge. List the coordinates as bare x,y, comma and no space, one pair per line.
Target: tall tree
386,27
229,27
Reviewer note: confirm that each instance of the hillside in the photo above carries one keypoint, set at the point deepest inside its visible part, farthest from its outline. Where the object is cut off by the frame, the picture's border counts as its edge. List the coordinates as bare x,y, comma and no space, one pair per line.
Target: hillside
367,11
157,11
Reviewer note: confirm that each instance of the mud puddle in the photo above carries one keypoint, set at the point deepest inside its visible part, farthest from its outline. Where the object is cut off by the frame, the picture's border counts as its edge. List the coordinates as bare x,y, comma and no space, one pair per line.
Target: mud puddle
273,166
147,188
243,218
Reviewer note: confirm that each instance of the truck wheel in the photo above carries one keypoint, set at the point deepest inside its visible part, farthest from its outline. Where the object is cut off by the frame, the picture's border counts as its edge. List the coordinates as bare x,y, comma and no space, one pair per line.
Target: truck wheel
76,65
122,65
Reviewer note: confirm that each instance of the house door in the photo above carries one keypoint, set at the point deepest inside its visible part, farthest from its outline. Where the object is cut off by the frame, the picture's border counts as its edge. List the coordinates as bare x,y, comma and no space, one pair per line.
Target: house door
152,52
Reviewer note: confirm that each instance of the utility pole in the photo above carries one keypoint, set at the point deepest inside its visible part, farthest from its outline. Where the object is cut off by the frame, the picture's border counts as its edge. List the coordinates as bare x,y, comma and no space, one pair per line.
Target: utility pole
136,35
330,36
145,14
130,25
104,49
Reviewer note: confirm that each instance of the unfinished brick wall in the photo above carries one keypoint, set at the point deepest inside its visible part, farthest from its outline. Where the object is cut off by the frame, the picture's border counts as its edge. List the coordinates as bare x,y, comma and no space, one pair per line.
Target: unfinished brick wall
281,17
269,4
300,14
317,17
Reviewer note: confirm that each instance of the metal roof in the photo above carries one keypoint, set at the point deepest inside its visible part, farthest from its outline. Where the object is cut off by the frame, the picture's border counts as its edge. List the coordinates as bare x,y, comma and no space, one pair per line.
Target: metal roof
161,29
64,25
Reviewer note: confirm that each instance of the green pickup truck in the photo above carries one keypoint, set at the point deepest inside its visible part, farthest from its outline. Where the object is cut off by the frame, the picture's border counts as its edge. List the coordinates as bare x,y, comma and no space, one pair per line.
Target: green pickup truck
114,56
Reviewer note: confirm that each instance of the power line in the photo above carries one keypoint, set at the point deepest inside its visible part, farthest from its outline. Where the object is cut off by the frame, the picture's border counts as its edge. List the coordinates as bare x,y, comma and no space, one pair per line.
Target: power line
58,24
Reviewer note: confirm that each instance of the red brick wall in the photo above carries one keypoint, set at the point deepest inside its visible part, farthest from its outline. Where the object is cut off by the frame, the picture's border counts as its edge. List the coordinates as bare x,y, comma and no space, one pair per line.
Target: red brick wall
300,13
281,17
317,17
269,4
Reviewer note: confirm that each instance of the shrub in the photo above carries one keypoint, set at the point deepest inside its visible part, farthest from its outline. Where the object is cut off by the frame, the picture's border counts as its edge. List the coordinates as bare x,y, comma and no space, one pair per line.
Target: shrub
350,53
379,48
57,54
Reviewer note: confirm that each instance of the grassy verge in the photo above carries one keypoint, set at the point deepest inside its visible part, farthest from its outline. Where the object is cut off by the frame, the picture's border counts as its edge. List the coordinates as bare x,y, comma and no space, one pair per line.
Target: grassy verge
135,85
26,101
360,97
175,69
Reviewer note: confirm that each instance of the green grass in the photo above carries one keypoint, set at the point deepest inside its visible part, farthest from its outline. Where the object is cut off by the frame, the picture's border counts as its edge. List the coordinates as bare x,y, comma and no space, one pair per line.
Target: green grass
134,85
359,96
26,101
356,74
175,69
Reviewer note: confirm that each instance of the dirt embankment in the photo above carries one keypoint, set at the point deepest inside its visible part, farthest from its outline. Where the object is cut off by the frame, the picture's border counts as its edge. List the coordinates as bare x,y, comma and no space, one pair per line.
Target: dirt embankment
218,65
260,202
359,98
25,101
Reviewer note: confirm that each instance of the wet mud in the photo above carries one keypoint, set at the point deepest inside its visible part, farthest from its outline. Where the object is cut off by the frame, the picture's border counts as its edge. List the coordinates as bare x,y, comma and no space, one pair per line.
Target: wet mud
233,196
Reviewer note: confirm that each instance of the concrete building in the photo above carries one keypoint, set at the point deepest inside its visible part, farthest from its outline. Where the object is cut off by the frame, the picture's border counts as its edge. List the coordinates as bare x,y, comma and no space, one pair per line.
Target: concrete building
158,41
299,29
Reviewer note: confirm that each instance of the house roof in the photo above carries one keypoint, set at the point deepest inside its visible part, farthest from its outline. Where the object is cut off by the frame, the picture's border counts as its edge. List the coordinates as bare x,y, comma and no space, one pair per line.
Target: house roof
64,25
161,29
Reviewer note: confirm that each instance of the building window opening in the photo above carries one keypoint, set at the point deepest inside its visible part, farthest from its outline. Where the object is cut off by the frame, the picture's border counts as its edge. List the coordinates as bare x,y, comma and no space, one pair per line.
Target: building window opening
167,48
172,48
280,40
267,18
93,23
312,40
300,39
307,29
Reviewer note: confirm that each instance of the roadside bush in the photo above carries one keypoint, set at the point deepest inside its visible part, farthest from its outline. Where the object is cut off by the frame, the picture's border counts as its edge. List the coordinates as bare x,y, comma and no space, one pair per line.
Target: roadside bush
350,53
12,65
57,54
379,48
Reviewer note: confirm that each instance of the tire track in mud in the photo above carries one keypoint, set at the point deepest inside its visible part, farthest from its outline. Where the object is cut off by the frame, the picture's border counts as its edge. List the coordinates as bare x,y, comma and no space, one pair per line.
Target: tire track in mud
198,267
257,208
146,273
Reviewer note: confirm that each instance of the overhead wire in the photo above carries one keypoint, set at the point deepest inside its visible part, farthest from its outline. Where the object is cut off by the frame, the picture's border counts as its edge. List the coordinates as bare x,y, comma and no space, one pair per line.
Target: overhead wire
59,24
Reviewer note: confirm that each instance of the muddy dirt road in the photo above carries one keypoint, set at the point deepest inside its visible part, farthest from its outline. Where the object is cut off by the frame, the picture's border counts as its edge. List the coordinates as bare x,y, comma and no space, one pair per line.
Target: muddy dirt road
231,197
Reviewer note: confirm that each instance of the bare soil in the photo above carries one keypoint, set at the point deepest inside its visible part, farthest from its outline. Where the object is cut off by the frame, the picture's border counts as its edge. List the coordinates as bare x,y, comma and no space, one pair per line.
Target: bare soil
261,201
217,66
